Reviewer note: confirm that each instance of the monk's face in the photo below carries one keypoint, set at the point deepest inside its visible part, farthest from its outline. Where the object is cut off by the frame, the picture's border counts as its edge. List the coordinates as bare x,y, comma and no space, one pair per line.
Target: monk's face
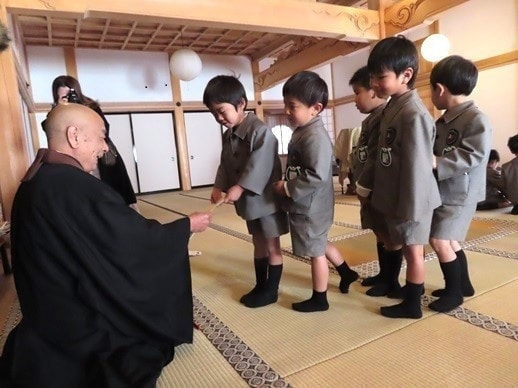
92,142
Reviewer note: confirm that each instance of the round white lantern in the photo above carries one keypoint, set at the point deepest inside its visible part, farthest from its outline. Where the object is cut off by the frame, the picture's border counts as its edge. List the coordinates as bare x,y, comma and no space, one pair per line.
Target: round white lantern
435,47
185,64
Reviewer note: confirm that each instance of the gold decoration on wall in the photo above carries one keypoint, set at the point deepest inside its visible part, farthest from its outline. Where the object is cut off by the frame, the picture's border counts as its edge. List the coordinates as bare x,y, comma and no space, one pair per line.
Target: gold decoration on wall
405,14
360,21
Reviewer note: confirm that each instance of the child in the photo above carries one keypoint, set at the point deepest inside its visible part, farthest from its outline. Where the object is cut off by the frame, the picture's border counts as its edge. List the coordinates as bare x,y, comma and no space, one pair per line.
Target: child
495,198
309,186
462,149
364,159
249,165
509,181
404,188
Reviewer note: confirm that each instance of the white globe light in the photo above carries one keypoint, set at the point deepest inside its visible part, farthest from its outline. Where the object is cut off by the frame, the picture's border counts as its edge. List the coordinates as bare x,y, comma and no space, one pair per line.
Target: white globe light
435,47
185,64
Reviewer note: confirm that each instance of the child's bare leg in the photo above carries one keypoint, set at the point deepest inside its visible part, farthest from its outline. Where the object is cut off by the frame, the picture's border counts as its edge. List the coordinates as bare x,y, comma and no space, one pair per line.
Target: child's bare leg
347,275
320,278
411,305
267,292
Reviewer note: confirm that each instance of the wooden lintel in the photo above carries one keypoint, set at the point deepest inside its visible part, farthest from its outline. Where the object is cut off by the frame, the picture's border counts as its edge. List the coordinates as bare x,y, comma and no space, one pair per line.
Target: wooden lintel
313,19
272,48
405,14
319,54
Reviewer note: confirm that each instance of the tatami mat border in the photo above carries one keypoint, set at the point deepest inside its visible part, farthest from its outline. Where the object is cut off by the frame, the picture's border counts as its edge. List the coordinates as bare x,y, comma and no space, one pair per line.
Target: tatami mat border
243,359
485,322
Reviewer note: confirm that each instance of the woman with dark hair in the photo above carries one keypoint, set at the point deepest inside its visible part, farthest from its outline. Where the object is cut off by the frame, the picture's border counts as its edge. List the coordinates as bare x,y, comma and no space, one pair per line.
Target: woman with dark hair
111,166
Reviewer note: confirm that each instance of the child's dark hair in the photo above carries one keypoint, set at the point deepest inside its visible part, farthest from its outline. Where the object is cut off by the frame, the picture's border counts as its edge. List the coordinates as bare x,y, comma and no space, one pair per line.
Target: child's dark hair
224,89
512,143
361,77
494,156
458,74
307,87
395,54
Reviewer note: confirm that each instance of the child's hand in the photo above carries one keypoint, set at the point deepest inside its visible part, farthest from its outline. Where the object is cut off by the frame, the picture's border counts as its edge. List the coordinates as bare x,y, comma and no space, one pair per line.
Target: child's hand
216,195
434,161
278,188
233,194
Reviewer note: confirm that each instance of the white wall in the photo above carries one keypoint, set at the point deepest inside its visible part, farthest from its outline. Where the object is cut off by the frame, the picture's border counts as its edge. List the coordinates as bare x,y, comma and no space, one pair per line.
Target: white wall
124,76
213,65
45,64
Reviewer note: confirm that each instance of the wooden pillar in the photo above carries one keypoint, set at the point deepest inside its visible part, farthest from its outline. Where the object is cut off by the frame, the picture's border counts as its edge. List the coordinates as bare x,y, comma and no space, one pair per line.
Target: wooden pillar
259,111
182,151
13,152
70,62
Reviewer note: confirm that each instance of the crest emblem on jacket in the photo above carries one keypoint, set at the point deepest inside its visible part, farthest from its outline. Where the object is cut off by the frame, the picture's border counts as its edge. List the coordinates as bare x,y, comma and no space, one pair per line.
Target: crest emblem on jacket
451,139
292,172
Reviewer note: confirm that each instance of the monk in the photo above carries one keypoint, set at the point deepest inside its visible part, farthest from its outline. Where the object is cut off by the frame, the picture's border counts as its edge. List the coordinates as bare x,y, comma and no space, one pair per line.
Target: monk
105,293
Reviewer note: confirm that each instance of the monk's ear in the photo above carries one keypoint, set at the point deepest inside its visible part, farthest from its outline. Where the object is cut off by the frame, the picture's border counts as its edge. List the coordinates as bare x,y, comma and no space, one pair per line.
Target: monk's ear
72,137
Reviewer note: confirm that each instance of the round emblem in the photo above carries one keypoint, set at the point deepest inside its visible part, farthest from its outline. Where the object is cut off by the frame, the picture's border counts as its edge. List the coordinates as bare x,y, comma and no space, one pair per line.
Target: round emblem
390,136
453,136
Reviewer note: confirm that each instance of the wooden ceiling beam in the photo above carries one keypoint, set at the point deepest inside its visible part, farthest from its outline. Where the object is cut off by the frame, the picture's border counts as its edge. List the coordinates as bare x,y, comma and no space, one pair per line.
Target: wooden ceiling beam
273,47
284,17
319,54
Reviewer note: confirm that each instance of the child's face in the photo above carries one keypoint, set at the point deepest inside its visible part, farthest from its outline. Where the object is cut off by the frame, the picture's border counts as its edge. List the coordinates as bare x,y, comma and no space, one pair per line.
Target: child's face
298,113
226,114
365,99
386,83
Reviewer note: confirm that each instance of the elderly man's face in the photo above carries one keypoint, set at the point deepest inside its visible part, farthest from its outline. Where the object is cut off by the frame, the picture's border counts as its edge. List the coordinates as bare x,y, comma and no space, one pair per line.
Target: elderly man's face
92,143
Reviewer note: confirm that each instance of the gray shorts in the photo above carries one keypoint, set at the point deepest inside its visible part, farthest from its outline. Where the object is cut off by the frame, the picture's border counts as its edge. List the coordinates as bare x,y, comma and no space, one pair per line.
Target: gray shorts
309,234
452,222
272,225
410,232
373,219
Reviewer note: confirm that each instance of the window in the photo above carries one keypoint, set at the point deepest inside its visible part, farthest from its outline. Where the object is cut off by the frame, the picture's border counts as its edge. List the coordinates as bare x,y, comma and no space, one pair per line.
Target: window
281,128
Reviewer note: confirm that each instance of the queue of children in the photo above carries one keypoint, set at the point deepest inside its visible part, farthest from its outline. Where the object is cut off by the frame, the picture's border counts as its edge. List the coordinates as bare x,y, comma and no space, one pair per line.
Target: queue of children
418,181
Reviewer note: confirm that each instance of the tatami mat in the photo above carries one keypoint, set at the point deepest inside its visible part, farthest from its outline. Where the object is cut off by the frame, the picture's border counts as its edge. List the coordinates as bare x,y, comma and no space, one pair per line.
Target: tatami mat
351,344
199,364
499,303
435,352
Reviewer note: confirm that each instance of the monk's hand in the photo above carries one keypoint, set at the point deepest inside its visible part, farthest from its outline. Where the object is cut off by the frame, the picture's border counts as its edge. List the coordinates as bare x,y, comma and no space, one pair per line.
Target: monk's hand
199,221
278,188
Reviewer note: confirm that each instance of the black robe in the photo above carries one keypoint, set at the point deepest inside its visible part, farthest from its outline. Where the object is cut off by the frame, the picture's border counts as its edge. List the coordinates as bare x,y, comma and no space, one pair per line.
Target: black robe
105,293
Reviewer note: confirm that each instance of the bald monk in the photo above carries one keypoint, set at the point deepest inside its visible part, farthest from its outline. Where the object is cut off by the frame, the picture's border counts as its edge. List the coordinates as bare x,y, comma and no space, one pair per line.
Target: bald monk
105,293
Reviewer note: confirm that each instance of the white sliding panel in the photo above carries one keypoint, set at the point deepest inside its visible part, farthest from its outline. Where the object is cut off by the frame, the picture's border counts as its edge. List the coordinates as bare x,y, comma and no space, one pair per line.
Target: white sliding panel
120,133
204,144
155,151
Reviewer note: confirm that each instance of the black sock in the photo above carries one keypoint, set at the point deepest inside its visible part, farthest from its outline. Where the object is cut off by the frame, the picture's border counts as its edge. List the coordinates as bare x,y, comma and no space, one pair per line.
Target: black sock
317,302
451,297
270,293
347,276
261,275
411,305
466,286
372,280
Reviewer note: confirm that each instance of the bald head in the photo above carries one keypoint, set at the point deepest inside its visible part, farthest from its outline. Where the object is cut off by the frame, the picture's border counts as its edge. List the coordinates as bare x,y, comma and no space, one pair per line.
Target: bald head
78,131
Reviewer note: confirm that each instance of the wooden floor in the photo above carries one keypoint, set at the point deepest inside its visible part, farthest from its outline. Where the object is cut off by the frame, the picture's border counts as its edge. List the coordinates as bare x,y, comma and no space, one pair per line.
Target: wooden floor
351,344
